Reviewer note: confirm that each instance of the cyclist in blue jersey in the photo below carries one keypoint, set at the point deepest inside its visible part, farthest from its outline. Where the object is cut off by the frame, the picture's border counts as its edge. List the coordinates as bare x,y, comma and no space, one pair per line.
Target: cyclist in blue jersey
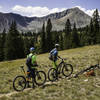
54,55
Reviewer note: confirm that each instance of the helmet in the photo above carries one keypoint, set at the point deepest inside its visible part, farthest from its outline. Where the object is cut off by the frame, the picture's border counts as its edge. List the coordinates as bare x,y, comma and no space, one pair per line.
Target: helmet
56,45
32,49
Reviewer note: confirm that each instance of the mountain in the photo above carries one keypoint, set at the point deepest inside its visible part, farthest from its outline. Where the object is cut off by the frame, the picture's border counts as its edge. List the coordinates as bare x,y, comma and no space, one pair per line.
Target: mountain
35,23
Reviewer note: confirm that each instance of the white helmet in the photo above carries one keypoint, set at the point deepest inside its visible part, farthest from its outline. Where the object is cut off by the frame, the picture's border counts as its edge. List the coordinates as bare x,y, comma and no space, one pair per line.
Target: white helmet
56,45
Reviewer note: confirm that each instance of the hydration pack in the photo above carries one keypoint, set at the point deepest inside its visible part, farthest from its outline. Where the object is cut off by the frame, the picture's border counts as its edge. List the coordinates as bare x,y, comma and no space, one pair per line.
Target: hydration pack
53,55
29,61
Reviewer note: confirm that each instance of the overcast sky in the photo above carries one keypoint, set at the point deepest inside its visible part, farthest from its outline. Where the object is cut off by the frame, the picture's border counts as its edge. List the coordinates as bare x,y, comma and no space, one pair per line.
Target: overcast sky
44,7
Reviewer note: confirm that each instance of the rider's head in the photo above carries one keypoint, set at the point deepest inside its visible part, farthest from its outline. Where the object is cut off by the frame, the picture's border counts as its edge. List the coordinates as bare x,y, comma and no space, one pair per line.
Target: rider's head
56,45
32,49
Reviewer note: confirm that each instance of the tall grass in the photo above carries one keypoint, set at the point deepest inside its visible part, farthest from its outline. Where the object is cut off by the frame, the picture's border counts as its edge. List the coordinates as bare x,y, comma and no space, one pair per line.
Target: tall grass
81,88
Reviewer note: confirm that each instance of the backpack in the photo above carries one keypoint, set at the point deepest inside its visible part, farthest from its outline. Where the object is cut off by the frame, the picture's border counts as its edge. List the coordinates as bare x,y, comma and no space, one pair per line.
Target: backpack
53,55
29,60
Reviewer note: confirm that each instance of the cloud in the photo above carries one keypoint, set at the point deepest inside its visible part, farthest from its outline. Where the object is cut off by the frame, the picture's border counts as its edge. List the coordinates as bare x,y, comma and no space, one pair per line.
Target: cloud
0,8
35,11
89,12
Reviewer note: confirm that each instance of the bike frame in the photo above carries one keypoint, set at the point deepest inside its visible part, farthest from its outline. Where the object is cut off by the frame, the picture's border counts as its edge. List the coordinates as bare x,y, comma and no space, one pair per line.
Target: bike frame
22,67
25,73
62,62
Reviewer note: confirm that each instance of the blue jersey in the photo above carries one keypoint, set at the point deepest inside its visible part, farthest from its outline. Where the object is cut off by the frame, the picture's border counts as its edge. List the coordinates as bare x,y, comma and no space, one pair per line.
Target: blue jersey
54,52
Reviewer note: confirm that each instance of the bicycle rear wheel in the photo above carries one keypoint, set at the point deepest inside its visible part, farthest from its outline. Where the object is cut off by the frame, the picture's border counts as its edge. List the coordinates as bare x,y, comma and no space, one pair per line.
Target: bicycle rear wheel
67,70
19,83
40,78
52,74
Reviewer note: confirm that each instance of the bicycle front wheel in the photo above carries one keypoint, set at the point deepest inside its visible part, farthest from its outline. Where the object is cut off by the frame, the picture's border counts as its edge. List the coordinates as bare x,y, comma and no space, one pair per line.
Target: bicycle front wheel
19,83
67,70
52,74
40,78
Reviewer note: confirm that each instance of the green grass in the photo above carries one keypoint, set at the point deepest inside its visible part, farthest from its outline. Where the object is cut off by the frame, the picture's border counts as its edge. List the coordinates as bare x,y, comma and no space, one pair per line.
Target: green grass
81,88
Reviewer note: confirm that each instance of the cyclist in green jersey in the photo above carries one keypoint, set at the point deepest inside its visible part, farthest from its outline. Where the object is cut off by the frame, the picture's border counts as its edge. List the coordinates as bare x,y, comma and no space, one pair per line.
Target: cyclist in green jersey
31,64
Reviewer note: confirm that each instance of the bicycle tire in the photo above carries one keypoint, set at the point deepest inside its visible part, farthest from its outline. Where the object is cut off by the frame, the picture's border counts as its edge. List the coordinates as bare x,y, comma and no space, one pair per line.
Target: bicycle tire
23,81
68,68
52,72
38,77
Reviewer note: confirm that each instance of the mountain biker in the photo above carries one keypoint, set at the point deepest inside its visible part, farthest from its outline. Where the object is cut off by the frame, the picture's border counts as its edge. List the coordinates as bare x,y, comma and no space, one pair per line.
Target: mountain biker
54,55
31,64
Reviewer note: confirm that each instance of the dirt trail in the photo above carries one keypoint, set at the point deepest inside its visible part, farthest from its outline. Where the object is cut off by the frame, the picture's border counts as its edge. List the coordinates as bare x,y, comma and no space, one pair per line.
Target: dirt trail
15,92
12,93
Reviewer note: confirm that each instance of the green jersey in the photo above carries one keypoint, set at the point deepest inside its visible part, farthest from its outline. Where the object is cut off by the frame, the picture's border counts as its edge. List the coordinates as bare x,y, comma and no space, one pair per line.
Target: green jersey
33,60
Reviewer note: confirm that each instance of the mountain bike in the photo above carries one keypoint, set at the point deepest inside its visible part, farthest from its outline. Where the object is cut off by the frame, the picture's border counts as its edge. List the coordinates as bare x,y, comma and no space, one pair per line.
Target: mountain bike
63,67
92,67
20,81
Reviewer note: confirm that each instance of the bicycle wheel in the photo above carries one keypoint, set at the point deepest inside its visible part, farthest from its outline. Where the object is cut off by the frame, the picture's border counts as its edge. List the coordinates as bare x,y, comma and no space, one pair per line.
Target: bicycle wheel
52,74
67,70
40,78
19,83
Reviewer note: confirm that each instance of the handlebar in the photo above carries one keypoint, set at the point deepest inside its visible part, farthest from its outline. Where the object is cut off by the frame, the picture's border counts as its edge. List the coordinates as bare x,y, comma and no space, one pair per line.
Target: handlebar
62,58
22,67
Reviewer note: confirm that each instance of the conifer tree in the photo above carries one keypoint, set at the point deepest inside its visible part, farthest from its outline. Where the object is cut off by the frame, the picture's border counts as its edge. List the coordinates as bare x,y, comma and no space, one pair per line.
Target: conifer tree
75,37
3,41
43,41
49,43
1,49
96,22
91,34
61,41
57,37
67,36
12,44
27,46
86,35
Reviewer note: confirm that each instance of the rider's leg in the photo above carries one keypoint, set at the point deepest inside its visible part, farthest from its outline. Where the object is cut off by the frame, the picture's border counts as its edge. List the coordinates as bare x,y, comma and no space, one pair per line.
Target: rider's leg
28,76
55,67
33,75
54,64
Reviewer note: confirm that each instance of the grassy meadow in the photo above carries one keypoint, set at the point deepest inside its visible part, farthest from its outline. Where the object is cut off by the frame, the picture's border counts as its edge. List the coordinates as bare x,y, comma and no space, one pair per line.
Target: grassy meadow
81,88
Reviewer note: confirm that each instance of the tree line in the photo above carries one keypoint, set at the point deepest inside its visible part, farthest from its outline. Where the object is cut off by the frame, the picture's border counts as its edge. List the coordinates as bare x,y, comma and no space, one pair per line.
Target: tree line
15,44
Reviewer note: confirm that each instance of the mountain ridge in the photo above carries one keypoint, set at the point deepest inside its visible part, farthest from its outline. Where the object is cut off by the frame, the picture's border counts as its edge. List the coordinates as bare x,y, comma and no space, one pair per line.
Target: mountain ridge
58,20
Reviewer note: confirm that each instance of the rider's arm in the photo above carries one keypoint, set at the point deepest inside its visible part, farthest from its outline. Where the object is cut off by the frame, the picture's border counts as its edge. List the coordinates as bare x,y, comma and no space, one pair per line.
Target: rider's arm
58,57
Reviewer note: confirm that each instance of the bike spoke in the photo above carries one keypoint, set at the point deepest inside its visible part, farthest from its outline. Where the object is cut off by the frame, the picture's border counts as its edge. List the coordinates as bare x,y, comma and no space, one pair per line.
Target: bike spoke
52,75
67,70
19,83
40,78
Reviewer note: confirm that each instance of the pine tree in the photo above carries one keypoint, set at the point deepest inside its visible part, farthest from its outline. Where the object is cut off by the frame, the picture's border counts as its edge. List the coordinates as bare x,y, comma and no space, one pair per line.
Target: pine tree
49,43
92,36
12,44
67,37
2,43
1,49
61,41
75,37
56,37
21,53
96,26
26,46
43,41
86,35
